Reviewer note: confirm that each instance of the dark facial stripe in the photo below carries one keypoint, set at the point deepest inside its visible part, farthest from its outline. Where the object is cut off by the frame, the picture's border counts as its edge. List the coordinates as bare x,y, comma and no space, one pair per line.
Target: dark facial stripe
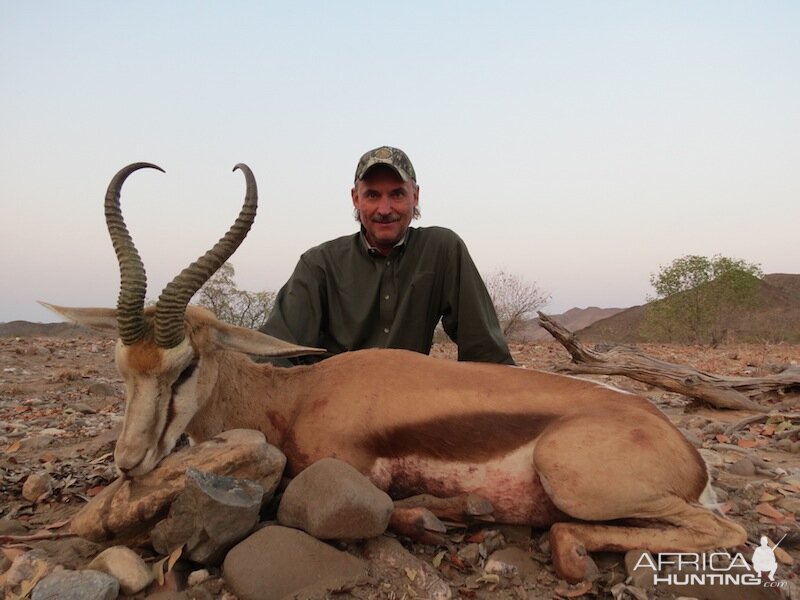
476,437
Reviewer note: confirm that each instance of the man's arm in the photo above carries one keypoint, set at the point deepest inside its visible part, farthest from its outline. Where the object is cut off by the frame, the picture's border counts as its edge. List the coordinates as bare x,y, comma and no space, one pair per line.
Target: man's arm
470,318
298,313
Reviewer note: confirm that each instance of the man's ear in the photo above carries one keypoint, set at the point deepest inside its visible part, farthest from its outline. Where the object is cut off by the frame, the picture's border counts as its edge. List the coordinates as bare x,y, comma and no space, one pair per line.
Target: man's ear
103,320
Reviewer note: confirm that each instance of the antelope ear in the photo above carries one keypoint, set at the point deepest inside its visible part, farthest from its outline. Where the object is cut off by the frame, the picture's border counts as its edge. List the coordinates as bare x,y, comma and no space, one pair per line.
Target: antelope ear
99,319
251,341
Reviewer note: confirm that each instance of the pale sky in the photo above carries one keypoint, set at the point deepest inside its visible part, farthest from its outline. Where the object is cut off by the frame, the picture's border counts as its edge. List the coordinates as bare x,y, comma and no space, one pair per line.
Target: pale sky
579,145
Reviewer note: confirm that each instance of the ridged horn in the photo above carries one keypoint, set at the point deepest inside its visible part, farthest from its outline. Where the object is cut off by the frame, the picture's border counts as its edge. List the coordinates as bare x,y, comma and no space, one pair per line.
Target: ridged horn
132,278
171,305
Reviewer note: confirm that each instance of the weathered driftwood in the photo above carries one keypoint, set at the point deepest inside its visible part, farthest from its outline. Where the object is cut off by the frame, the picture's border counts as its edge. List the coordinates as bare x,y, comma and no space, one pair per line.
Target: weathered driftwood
748,393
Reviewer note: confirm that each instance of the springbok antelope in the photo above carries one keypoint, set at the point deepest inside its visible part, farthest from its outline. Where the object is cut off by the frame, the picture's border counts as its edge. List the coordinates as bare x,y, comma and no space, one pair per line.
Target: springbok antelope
546,450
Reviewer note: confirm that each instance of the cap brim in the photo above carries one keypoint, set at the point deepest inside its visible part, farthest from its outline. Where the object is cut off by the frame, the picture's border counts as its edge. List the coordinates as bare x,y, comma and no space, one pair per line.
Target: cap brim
375,162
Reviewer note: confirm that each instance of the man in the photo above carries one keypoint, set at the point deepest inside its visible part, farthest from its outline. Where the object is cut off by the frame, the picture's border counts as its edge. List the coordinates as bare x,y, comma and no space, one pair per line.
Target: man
388,285
764,558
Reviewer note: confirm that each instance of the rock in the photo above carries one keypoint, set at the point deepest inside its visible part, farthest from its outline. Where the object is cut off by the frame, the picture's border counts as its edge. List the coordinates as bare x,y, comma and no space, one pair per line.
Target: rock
277,561
721,591
515,534
792,504
25,567
54,431
471,554
198,577
211,515
512,561
169,595
12,527
715,427
36,442
793,479
386,553
711,458
695,422
99,388
71,552
191,594
131,506
332,500
84,409
76,585
124,565
720,494
744,467
695,436
493,540
37,485
174,581
643,576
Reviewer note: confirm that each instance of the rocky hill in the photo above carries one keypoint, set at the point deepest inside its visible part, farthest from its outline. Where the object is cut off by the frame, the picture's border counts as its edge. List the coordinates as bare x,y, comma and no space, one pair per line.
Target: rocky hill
776,317
26,329
574,319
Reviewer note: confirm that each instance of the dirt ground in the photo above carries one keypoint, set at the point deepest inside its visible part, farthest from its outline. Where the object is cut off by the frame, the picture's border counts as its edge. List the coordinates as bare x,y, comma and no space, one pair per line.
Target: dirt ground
61,405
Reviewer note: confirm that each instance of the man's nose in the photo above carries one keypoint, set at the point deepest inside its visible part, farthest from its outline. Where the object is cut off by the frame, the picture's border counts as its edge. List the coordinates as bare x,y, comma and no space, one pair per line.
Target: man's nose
384,206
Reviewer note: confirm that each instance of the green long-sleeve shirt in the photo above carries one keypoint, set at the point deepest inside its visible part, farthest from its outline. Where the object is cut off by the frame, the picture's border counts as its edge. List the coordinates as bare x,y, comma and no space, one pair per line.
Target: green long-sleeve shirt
344,296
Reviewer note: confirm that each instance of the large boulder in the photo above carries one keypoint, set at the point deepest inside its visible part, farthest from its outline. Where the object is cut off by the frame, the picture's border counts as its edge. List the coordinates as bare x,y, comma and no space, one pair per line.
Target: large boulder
130,507
332,500
276,562
124,565
212,514
76,585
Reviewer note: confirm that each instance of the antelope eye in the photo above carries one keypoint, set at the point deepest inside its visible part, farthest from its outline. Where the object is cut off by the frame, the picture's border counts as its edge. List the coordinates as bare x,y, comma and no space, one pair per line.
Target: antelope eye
186,373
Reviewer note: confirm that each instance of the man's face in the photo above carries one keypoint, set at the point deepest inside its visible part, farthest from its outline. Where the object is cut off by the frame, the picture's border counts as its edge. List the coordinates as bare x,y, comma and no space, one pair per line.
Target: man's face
385,205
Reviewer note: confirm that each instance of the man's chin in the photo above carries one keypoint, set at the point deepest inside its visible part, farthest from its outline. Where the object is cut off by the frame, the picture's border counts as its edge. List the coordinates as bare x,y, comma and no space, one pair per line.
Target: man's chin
384,243
387,234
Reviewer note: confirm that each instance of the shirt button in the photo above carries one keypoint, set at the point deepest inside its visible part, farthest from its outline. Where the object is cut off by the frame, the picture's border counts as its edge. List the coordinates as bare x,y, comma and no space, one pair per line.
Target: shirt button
385,330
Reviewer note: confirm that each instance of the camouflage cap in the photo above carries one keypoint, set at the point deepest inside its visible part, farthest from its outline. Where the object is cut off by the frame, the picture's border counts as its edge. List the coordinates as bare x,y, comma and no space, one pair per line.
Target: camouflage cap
386,155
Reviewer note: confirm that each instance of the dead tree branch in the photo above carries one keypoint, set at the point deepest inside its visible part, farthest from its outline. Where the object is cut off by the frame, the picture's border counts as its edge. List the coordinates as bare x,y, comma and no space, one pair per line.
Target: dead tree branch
745,393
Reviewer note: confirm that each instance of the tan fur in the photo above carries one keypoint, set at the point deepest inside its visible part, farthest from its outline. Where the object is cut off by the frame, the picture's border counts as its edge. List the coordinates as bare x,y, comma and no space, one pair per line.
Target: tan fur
542,448
145,358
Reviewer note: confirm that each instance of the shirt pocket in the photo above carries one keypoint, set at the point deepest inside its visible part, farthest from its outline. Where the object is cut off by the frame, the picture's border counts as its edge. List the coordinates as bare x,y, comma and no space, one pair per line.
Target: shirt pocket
424,297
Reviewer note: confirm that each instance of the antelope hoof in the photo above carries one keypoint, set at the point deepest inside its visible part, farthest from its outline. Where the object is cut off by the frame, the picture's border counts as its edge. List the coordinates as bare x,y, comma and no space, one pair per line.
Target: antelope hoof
571,561
419,524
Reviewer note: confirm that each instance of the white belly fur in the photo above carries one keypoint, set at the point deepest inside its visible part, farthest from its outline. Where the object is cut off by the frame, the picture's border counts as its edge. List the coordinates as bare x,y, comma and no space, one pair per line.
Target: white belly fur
509,483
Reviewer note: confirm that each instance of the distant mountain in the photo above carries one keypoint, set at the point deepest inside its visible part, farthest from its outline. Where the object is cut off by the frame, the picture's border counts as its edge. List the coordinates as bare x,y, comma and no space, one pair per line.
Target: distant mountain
63,330
788,283
573,319
776,318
